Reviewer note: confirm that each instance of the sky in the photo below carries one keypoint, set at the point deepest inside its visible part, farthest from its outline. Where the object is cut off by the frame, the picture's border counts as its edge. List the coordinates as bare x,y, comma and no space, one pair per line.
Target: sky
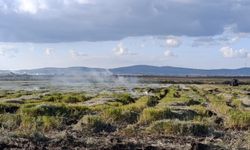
204,34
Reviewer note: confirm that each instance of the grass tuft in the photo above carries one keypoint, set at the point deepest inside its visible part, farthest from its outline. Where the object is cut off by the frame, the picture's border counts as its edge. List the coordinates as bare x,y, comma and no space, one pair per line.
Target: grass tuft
175,127
94,123
152,114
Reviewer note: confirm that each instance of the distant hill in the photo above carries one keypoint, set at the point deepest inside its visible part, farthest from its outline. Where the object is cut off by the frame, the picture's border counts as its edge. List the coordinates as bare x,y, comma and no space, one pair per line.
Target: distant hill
62,71
5,72
134,70
177,71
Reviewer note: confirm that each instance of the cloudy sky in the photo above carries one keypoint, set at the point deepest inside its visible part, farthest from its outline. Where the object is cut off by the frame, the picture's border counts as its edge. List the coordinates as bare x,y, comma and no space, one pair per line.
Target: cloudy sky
112,33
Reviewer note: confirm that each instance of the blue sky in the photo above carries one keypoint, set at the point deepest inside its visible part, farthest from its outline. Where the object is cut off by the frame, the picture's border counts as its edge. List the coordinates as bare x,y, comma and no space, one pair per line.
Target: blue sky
184,33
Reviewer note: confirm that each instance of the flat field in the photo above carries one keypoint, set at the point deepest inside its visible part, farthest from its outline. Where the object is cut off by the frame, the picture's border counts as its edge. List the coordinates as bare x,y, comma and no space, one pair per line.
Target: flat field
124,115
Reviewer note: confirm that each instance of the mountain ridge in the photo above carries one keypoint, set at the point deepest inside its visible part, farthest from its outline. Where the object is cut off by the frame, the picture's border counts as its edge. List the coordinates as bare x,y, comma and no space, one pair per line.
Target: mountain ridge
133,70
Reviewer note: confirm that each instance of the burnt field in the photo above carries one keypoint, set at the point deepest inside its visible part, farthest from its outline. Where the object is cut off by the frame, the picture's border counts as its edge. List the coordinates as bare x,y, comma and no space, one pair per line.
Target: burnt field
125,112
245,80
138,78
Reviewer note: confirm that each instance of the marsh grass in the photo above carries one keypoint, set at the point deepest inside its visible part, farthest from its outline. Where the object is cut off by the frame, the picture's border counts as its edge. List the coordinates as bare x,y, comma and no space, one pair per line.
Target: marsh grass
8,94
53,97
169,111
162,93
53,109
152,101
95,124
171,96
41,123
119,115
138,106
131,130
65,97
202,111
237,103
218,104
10,121
234,117
238,119
152,114
124,98
8,107
175,127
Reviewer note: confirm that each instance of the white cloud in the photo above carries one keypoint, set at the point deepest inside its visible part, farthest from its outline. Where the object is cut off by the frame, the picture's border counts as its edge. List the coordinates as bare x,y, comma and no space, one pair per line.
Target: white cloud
3,6
76,54
142,45
228,37
184,1
49,51
81,2
8,50
84,1
121,50
31,6
169,53
173,42
229,52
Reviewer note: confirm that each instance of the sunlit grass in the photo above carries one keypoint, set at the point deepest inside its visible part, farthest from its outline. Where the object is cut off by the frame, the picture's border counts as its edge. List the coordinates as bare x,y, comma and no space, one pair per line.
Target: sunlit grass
176,127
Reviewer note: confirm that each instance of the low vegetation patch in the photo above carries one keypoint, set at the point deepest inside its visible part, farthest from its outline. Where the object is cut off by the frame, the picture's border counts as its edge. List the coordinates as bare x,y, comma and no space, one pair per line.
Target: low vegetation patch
8,108
124,98
238,119
138,106
41,123
119,115
152,114
152,101
95,124
65,97
10,121
49,109
176,127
